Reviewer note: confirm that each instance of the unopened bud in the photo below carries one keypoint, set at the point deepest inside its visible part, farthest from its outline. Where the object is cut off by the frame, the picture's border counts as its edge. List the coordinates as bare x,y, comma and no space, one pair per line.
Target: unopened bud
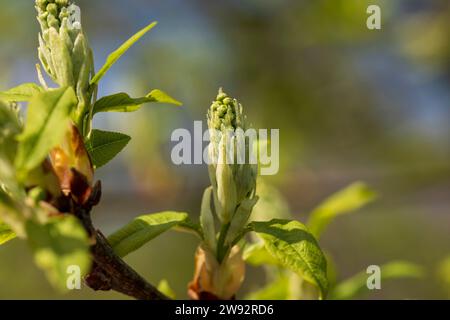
232,182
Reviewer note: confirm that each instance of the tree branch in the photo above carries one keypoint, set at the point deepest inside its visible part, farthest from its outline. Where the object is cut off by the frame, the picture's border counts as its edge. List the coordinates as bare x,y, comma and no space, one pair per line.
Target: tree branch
109,271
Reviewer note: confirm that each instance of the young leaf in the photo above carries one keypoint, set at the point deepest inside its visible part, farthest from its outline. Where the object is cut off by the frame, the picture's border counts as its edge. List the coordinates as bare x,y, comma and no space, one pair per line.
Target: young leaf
113,57
47,121
191,227
344,201
357,284
122,102
23,92
6,233
279,289
296,249
58,244
256,255
162,97
207,220
103,146
143,229
164,287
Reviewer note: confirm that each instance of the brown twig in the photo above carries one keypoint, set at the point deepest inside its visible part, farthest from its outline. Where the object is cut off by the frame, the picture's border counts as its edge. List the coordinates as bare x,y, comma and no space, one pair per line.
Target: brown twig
109,271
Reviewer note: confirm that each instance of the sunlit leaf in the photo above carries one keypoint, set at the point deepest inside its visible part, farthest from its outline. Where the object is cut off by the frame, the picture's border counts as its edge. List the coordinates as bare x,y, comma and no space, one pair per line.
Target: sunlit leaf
165,288
103,146
162,97
357,284
23,92
47,121
113,57
344,201
256,254
143,229
296,249
57,245
122,102
6,234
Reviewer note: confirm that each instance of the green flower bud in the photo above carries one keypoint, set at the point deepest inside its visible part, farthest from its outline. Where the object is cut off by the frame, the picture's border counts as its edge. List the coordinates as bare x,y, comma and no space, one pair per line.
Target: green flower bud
52,9
222,95
227,101
233,182
64,14
62,3
43,16
42,4
225,113
64,51
52,22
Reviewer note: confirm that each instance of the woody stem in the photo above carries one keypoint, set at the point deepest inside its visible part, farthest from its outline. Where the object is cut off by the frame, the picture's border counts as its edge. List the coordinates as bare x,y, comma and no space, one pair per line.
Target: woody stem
109,271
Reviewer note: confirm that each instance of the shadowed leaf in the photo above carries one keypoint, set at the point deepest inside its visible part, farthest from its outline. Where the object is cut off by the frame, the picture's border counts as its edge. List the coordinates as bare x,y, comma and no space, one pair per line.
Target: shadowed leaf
47,121
103,146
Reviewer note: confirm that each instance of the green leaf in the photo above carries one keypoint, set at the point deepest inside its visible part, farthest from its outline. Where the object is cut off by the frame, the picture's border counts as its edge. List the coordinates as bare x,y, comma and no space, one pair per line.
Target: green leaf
162,97
256,255
357,284
344,201
103,146
143,229
279,289
6,233
47,122
122,102
12,199
10,127
57,245
191,227
113,57
165,288
296,249
23,92
207,220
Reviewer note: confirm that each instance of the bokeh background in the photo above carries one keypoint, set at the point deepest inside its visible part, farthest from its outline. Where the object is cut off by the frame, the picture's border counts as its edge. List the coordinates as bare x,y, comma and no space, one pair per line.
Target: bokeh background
351,104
